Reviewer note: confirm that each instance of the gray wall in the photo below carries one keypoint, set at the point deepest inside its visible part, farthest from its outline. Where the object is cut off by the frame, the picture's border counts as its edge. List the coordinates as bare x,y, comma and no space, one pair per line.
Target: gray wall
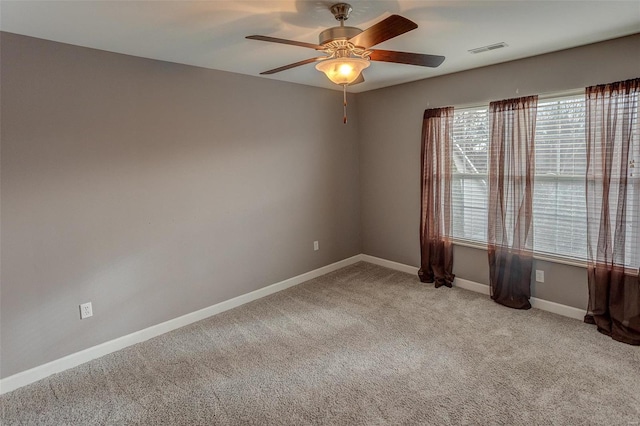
154,189
390,130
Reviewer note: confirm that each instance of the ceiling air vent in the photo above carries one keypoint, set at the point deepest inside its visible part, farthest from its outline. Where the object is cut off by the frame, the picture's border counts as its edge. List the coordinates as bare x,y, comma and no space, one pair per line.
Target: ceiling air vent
489,47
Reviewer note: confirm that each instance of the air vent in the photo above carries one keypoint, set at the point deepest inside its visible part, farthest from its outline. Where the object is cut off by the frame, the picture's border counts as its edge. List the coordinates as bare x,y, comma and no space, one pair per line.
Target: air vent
488,48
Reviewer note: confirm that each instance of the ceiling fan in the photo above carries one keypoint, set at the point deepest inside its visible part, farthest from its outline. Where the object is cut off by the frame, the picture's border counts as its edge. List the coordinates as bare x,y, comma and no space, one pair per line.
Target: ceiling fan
348,49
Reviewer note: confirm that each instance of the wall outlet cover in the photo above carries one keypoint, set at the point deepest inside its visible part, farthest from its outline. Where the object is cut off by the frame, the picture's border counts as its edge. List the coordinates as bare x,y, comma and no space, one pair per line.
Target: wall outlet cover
86,310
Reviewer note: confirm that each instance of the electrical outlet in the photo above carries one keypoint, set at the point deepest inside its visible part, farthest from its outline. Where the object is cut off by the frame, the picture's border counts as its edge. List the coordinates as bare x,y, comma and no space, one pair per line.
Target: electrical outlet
316,246
86,310
539,276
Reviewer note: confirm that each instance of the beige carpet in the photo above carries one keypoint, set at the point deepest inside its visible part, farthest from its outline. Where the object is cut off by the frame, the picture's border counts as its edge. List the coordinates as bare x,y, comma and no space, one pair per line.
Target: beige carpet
363,345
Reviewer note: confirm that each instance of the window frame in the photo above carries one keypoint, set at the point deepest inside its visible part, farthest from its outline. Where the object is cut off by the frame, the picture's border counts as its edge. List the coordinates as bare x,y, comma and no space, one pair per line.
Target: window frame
538,255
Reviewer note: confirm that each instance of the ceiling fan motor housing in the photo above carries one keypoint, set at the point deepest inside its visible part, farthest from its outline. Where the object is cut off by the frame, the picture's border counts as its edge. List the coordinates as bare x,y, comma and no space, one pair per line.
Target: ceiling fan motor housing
341,11
338,33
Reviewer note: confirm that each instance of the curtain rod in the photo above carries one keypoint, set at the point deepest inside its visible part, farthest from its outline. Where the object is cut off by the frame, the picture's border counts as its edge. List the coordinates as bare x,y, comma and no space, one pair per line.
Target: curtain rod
541,96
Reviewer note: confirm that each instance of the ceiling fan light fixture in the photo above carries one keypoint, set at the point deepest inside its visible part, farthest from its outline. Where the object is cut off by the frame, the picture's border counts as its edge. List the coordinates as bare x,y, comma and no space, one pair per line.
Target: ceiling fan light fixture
342,70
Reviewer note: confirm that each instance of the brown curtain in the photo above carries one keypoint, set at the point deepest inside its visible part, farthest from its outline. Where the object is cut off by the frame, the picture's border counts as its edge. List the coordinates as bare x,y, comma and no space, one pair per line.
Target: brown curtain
510,229
613,191
436,250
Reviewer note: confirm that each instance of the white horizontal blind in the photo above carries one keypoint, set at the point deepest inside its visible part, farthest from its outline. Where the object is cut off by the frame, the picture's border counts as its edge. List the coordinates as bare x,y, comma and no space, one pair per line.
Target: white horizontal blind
469,173
621,180
559,200
559,204
633,197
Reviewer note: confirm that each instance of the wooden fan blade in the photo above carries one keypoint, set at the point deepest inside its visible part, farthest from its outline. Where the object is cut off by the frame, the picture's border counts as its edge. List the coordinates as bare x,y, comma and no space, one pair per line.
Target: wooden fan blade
285,41
358,80
296,64
407,58
391,27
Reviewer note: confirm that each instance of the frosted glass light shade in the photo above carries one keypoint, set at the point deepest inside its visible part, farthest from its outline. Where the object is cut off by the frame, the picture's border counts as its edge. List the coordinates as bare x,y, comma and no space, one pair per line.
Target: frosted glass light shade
342,70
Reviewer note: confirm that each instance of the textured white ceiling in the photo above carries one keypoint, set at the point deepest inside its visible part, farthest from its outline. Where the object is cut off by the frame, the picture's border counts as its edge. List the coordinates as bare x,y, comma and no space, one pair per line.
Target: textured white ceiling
211,33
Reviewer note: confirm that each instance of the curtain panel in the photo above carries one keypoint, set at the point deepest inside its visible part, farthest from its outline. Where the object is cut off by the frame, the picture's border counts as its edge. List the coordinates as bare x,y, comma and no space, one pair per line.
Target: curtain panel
436,249
512,124
613,219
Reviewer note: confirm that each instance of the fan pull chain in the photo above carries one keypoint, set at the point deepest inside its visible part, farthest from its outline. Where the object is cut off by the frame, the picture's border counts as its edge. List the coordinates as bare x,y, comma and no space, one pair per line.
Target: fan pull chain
344,92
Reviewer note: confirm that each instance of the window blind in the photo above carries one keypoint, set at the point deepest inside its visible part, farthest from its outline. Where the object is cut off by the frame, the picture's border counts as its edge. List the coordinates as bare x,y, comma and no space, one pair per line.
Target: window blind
559,200
469,173
559,203
621,180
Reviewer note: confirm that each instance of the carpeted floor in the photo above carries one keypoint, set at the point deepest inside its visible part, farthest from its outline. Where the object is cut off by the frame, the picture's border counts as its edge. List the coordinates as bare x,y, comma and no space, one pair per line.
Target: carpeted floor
362,345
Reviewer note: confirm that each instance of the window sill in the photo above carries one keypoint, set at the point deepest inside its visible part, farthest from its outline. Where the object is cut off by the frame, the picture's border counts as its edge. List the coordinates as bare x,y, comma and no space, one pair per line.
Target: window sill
537,256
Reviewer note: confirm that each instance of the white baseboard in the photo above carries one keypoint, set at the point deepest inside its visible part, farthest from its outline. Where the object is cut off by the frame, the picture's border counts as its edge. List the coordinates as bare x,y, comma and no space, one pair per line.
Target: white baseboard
40,372
390,264
544,305
471,285
557,308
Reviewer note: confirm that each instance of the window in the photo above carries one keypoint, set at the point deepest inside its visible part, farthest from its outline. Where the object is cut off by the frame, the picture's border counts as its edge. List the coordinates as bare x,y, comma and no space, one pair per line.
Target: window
559,204
559,199
624,223
632,249
470,181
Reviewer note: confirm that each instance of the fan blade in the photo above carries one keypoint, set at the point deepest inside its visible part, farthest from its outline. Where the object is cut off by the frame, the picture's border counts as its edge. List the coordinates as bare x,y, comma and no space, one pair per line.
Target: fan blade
358,80
391,27
407,58
285,41
296,64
